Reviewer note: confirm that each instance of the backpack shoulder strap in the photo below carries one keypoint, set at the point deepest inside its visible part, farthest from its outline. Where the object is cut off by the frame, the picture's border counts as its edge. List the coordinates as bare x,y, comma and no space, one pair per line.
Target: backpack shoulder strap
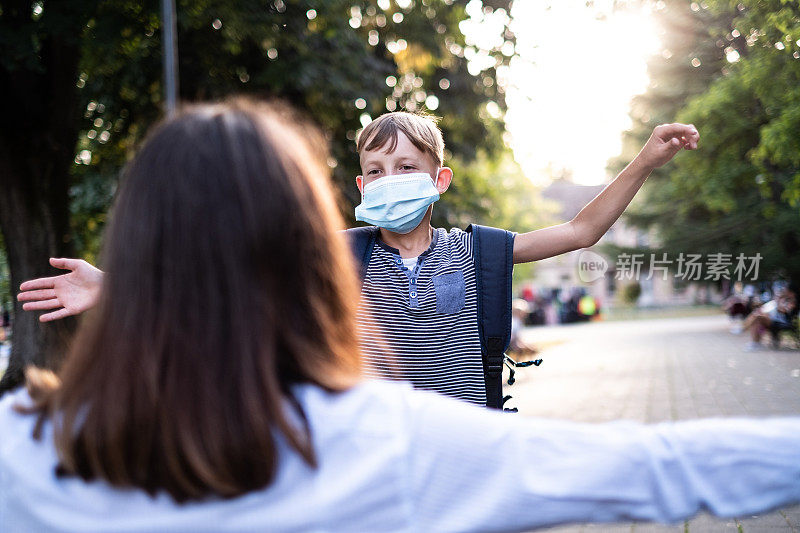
362,240
493,255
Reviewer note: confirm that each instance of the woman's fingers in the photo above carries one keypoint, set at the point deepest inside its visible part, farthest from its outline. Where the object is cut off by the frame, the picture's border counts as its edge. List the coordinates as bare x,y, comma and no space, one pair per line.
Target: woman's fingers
39,283
41,305
65,263
55,315
48,283
42,294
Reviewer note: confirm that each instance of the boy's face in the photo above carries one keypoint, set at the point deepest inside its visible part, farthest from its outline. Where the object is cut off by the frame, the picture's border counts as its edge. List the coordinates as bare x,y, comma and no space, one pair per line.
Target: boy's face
405,159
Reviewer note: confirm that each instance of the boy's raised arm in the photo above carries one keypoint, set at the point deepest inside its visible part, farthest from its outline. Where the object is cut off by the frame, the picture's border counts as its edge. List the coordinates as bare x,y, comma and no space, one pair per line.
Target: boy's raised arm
69,294
598,215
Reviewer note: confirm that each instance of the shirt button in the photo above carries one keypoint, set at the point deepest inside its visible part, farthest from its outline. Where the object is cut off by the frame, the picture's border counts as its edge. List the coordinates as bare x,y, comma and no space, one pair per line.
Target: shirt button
413,294
399,261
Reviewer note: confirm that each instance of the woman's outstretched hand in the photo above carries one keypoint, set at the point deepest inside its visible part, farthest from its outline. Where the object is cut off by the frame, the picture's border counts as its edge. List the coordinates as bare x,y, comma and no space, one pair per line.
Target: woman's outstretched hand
666,141
69,294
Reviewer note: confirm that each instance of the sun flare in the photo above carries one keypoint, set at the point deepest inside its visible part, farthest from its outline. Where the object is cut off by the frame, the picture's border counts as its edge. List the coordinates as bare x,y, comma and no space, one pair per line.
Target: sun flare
570,86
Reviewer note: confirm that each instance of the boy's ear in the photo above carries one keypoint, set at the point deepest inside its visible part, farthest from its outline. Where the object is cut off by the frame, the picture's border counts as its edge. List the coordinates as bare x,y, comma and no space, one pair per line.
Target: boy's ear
360,183
444,179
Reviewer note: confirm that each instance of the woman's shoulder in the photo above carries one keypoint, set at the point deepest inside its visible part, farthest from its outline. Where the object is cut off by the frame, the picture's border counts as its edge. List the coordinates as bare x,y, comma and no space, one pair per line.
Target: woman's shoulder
369,403
390,408
14,426
374,407
368,395
23,458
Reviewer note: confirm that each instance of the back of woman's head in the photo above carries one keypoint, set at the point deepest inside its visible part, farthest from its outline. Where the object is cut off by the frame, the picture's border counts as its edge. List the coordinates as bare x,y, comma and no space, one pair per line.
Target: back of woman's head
226,283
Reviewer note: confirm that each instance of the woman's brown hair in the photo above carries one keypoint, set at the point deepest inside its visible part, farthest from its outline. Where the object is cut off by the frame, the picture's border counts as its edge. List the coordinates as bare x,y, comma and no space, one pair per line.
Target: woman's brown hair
227,283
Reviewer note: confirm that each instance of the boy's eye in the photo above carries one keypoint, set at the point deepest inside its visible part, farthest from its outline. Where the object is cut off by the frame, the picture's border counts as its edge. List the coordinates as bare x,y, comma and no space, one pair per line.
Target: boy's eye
372,172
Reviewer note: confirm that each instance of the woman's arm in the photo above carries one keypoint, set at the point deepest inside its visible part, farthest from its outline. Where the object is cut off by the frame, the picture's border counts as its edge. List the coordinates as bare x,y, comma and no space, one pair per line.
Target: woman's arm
478,470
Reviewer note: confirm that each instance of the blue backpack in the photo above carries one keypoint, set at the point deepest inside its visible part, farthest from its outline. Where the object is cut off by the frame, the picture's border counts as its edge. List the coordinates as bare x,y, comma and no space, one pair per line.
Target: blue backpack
492,253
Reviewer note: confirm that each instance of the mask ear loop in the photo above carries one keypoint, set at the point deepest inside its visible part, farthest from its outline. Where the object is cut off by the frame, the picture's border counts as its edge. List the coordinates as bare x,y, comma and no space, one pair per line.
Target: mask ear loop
436,185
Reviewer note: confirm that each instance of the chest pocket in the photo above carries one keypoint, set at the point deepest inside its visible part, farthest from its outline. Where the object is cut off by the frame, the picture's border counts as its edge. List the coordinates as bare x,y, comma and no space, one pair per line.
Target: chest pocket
450,292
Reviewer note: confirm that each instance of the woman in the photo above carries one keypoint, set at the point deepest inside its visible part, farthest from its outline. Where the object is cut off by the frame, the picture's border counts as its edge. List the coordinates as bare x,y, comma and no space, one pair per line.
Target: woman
216,384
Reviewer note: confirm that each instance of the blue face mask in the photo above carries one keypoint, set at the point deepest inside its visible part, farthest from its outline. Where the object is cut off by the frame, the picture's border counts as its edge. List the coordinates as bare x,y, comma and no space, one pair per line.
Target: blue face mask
397,203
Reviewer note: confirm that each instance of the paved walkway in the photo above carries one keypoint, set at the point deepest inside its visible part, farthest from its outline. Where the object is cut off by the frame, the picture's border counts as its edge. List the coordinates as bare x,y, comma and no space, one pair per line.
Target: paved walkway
657,370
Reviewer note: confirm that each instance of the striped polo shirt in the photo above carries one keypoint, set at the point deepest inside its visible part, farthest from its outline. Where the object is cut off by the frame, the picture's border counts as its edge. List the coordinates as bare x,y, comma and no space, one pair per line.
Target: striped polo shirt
420,324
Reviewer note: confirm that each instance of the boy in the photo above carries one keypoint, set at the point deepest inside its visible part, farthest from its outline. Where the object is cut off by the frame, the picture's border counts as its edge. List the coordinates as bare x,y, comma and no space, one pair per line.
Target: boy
419,290
420,283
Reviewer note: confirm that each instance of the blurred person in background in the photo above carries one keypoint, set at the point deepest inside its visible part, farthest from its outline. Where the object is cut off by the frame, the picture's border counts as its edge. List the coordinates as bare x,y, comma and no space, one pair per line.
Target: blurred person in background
778,314
520,311
588,307
737,306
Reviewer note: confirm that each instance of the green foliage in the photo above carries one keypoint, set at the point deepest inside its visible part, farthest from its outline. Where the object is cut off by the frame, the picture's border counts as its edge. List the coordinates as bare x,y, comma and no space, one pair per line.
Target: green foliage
740,192
687,33
492,191
631,292
335,60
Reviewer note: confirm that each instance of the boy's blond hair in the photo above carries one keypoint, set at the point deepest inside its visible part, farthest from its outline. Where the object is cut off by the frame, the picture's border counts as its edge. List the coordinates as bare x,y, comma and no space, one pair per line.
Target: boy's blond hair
420,129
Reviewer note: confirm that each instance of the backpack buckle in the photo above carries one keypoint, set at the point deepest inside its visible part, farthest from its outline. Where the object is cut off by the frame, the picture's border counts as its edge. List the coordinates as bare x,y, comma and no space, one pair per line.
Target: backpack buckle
494,364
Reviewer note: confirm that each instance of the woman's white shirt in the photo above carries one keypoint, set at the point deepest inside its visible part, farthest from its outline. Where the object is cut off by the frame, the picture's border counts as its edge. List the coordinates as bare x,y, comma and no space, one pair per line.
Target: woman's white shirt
395,459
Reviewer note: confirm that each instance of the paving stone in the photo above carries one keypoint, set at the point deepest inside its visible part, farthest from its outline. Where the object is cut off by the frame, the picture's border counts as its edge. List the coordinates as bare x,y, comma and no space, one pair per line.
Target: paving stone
774,521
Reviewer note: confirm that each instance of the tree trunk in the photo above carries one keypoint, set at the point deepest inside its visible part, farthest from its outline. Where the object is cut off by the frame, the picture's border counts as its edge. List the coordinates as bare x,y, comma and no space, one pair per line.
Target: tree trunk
39,125
32,234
